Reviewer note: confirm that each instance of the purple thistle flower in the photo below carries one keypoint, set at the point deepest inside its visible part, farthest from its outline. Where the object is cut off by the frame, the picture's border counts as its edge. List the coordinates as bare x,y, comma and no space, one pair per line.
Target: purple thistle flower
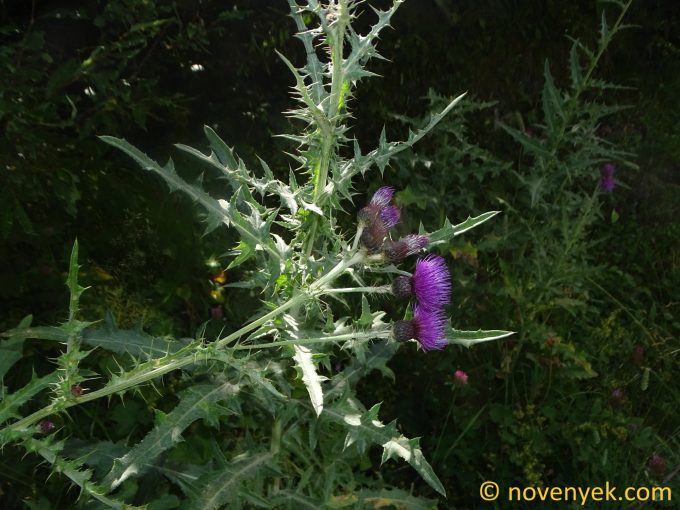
430,283
380,200
378,217
427,327
396,251
607,181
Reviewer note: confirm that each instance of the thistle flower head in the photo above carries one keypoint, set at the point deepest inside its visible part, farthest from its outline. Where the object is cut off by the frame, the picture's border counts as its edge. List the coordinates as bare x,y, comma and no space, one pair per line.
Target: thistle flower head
428,327
396,251
430,283
460,377
377,218
380,200
607,181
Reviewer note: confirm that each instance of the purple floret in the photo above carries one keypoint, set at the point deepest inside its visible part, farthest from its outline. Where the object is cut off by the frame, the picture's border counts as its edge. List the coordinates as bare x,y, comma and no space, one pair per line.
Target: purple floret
383,196
390,216
431,282
429,328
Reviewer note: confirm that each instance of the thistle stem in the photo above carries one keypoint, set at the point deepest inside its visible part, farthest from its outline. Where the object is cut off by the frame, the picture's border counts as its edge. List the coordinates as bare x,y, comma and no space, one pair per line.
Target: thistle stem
384,289
357,335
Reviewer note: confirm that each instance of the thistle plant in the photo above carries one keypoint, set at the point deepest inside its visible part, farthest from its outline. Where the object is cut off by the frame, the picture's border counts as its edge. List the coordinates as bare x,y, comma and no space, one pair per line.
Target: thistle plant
295,255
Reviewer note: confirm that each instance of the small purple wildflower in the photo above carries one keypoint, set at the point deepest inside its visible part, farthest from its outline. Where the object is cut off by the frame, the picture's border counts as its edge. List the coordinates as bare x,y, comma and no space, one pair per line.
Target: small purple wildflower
427,327
460,377
396,251
607,181
430,283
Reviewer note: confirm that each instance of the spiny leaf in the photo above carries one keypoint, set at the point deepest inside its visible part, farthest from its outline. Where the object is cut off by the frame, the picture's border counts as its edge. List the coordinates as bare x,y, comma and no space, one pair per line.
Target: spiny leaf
11,350
72,469
72,283
225,486
11,403
365,428
218,211
312,380
449,231
553,110
532,146
379,353
470,338
575,67
386,150
134,342
197,402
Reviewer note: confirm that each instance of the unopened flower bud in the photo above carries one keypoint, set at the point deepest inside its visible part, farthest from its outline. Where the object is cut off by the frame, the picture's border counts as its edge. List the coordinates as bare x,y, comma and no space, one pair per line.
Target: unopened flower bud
46,426
396,251
460,377
76,390
657,465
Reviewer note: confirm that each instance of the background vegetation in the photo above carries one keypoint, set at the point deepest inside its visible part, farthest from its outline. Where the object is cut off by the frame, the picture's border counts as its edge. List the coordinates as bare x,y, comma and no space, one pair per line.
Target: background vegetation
585,392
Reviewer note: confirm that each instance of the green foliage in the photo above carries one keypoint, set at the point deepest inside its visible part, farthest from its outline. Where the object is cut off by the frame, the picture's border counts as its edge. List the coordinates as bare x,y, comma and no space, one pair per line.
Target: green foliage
287,396
293,252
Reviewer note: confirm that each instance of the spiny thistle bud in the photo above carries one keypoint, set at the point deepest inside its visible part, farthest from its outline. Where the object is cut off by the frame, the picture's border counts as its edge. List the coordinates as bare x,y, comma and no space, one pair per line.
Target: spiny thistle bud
77,390
427,327
45,426
396,251
430,283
